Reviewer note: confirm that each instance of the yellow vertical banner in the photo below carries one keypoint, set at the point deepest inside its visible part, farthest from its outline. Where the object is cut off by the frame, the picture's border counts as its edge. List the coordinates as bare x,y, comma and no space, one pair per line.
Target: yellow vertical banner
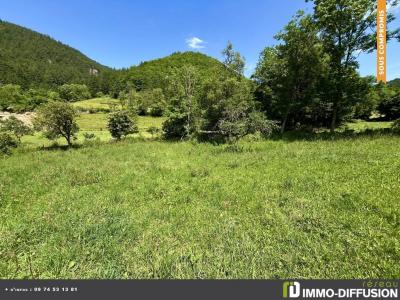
381,40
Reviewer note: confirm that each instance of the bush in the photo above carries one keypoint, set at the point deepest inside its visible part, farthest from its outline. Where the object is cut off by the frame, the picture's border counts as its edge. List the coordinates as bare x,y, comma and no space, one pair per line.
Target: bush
122,123
390,108
153,130
7,141
258,123
89,136
175,126
57,119
16,127
157,109
74,92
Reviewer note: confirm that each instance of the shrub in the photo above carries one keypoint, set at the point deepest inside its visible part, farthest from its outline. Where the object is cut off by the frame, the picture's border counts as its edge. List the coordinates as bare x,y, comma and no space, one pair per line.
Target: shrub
7,141
153,130
121,123
390,108
258,123
157,109
89,136
16,127
57,119
175,126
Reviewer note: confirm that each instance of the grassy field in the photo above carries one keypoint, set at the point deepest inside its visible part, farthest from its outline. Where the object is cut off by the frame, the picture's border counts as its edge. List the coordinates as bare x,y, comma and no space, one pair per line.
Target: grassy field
137,209
359,125
96,103
96,124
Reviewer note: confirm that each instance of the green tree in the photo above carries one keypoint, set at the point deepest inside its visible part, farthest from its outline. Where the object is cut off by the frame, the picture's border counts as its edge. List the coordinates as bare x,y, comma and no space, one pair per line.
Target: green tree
233,60
157,103
366,108
15,126
74,92
57,119
184,84
12,98
345,29
289,74
121,123
390,107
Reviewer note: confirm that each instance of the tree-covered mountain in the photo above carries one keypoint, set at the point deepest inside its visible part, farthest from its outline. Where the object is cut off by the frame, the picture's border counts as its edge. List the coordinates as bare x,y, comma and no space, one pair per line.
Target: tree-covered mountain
31,59
154,74
394,83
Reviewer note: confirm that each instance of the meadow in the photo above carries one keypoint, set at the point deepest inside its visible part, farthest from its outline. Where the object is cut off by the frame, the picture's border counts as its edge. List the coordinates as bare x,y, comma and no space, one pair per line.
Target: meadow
141,208
92,119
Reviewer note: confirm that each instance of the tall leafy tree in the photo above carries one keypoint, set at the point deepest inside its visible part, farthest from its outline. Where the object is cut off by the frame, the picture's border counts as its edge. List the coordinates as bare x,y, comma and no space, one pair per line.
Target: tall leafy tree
346,27
289,73
233,60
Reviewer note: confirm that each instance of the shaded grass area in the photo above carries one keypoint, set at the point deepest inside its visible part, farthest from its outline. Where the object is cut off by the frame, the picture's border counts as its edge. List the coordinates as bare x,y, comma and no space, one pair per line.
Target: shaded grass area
273,209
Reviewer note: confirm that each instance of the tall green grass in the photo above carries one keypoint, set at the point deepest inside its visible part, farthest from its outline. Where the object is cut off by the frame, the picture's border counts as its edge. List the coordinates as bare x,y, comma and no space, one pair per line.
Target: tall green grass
136,209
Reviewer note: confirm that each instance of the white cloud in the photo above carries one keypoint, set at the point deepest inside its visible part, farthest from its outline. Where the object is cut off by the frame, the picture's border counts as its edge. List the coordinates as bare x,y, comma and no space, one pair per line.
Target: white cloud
195,43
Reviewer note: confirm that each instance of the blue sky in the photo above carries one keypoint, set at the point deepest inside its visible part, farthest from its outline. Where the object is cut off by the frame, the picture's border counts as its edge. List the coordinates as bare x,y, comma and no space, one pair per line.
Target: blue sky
122,33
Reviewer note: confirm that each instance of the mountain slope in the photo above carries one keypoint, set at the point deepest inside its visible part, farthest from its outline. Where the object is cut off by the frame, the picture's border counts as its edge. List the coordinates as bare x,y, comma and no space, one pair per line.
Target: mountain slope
394,83
31,59
153,74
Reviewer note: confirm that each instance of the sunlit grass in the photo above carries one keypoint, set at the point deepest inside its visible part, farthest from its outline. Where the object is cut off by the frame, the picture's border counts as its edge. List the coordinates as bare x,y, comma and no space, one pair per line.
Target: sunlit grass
97,125
359,125
271,209
97,103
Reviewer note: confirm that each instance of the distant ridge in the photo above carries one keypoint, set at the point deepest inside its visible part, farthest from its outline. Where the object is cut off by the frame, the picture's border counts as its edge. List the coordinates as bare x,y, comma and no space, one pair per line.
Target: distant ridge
32,59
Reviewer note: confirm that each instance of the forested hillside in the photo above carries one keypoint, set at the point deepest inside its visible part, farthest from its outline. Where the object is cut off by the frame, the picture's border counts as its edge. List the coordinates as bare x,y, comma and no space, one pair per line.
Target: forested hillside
31,59
153,74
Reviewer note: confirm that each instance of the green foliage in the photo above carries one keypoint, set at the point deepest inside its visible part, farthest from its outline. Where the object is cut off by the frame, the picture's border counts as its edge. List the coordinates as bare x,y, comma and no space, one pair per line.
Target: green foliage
34,60
233,60
390,107
7,142
122,123
12,98
183,116
153,130
257,122
344,28
16,127
57,119
74,92
175,126
157,104
215,109
154,74
288,75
